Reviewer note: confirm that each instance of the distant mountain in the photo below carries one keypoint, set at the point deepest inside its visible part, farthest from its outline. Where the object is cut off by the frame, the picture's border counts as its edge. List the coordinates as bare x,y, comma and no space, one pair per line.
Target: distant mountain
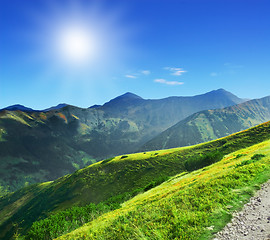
159,114
95,106
59,106
40,146
212,124
128,96
17,107
127,121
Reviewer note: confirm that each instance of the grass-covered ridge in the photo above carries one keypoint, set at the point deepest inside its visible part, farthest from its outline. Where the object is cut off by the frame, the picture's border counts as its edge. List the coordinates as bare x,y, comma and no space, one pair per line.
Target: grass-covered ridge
113,177
193,206
65,221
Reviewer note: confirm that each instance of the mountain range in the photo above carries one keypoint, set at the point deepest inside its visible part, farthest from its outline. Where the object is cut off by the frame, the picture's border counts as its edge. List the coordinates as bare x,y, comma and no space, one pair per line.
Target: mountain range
51,148
39,146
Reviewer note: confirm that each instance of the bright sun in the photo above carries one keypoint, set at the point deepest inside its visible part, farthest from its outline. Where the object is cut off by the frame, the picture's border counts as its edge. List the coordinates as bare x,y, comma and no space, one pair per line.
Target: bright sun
81,39
75,44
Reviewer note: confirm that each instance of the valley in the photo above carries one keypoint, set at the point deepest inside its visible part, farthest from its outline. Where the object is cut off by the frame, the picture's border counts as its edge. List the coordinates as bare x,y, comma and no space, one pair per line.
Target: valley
243,157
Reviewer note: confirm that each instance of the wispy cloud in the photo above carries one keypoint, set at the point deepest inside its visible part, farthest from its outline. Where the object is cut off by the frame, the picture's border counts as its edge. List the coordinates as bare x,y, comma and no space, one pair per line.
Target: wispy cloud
175,71
130,76
138,74
145,72
164,81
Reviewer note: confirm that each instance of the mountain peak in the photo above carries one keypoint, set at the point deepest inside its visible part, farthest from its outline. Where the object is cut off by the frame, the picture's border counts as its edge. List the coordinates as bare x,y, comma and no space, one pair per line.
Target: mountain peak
220,90
124,99
59,106
17,107
223,93
130,96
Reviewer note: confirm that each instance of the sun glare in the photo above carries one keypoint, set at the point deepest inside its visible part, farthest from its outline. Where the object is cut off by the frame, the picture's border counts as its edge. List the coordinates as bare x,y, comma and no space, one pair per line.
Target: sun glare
81,39
75,45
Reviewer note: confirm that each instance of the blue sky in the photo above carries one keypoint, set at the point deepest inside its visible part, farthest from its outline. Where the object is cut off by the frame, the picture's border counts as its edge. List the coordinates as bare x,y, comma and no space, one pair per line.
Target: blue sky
153,48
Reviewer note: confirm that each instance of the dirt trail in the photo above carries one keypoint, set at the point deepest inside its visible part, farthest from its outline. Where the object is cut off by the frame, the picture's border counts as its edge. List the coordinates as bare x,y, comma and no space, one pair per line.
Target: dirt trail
253,221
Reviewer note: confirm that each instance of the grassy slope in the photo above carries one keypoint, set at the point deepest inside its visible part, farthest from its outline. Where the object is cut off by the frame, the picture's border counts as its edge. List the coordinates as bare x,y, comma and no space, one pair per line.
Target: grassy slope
184,206
102,180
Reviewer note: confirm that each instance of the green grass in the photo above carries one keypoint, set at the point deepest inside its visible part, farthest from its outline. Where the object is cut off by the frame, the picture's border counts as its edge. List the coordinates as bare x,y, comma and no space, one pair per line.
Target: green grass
65,221
119,176
184,206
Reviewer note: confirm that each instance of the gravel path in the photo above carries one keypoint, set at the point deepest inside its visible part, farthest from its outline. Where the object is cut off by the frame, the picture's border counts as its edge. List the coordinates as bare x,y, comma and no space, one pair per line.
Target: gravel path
253,222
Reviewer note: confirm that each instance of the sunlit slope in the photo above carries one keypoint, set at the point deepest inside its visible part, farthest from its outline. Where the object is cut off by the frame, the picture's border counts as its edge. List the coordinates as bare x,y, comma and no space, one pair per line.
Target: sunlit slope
212,124
188,206
115,176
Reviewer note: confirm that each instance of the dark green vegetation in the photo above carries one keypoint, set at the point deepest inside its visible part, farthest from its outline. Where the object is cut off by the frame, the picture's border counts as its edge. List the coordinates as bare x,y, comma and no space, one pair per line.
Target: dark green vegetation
40,146
253,159
202,160
68,220
212,124
116,177
33,151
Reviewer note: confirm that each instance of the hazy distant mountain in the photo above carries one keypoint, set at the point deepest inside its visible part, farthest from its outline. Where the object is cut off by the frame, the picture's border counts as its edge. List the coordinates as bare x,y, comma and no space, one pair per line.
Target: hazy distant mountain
212,124
40,146
18,107
61,105
159,114
95,106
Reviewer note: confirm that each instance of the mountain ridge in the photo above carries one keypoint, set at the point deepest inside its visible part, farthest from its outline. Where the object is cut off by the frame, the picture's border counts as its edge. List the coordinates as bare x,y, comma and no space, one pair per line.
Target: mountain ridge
212,124
58,106
17,107
127,97
42,146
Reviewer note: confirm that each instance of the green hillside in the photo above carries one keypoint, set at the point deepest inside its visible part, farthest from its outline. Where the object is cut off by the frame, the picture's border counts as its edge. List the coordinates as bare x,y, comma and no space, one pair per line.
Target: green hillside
212,124
36,147
123,176
43,146
191,206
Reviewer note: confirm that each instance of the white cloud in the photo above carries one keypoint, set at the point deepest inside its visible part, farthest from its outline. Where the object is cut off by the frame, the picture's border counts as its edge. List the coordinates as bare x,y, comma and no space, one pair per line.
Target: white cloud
175,71
130,76
145,72
178,72
161,80
138,74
